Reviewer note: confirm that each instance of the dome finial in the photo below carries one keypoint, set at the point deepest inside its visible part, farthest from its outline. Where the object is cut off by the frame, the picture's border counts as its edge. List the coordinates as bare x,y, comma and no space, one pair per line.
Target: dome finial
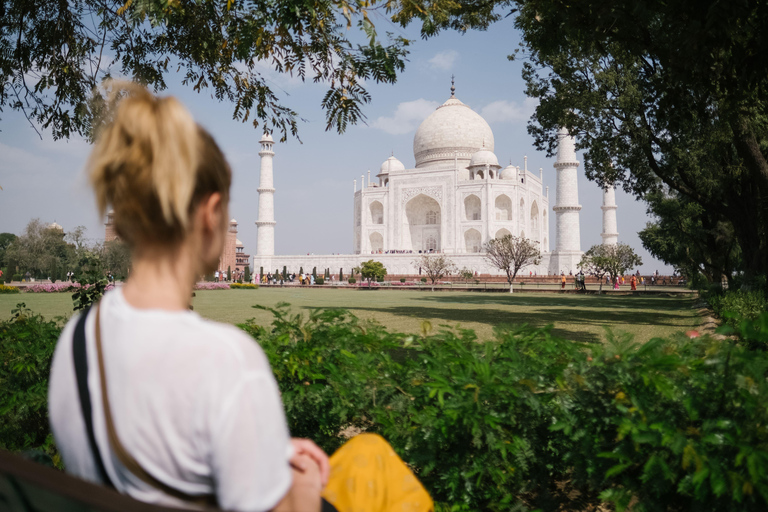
453,88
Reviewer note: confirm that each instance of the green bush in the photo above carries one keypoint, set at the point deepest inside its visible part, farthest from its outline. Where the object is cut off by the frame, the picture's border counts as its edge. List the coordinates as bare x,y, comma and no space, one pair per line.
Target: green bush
530,420
402,279
423,279
319,280
17,277
524,420
8,289
26,349
352,280
737,305
243,286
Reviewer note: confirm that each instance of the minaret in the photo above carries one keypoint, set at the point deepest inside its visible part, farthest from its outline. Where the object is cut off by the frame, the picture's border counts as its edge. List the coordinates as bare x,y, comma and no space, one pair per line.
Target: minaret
266,223
567,252
110,233
610,232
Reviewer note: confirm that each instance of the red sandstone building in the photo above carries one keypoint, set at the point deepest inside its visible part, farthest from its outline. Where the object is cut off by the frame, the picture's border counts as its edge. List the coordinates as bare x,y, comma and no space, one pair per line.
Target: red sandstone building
233,257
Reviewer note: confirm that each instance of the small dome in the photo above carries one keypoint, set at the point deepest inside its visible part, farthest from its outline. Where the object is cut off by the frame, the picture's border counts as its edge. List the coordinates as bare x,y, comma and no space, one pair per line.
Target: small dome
233,221
266,138
55,226
484,157
391,164
509,173
238,243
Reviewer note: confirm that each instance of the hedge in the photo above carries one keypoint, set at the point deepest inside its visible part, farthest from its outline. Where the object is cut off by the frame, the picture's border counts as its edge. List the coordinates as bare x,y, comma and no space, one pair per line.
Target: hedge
524,420
244,286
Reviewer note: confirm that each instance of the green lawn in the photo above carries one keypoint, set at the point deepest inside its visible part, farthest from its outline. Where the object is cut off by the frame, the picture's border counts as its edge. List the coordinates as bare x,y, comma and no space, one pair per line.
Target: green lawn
574,317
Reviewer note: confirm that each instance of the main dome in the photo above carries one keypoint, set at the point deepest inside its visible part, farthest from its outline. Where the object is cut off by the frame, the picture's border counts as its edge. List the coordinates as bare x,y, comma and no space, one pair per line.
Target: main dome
452,131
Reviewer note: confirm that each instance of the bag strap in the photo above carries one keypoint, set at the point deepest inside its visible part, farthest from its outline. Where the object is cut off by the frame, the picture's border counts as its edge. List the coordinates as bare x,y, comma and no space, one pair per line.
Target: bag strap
125,458
81,374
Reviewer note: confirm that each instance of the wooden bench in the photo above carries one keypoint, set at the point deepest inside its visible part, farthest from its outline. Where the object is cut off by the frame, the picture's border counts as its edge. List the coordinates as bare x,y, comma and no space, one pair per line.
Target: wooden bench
26,486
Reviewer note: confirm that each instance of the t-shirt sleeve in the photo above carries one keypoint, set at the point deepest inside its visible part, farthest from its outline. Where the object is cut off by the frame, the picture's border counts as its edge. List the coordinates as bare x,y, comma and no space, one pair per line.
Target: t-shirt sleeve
251,446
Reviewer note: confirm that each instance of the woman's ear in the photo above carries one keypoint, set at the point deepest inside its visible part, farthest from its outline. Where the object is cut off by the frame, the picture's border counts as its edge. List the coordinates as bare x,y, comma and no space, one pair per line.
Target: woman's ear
210,213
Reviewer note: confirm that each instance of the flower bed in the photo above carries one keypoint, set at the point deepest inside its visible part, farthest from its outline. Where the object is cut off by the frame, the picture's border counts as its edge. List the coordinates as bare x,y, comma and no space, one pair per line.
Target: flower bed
8,289
59,287
52,287
244,286
212,286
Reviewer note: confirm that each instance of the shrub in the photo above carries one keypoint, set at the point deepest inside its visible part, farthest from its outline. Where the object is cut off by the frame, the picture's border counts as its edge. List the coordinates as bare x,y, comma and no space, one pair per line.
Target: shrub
530,420
243,286
402,279
736,305
8,289
319,280
423,279
27,342
352,280
17,277
523,420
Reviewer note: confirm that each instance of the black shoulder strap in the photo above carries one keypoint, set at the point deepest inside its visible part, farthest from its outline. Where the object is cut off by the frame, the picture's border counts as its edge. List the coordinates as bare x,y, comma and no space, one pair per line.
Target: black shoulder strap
81,372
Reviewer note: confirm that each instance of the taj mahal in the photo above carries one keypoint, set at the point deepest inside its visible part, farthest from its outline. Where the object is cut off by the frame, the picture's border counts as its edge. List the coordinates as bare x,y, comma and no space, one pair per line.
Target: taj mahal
455,198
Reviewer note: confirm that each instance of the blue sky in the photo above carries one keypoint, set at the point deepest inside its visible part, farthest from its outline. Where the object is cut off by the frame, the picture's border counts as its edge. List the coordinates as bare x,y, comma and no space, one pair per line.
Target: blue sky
313,179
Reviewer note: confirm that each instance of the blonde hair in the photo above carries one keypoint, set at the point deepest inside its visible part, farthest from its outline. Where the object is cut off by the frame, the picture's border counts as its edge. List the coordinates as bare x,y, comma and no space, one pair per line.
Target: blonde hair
153,164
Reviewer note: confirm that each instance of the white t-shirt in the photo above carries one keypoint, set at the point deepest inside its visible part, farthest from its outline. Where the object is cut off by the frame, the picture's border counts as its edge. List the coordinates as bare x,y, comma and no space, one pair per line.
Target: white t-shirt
193,401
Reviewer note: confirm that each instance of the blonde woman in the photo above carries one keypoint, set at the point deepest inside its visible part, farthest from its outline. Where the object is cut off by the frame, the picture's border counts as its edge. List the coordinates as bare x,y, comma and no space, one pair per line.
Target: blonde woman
165,406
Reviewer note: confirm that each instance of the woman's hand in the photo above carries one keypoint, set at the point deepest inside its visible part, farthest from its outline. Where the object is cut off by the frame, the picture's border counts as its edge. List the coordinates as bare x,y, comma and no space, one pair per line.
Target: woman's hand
309,448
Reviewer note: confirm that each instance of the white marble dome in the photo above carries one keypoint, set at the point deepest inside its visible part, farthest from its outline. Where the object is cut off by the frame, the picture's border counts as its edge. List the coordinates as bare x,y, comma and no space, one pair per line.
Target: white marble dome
391,164
509,173
453,131
484,157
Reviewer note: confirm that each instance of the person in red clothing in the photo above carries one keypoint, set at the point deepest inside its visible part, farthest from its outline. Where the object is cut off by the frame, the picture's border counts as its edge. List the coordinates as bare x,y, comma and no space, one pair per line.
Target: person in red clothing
633,282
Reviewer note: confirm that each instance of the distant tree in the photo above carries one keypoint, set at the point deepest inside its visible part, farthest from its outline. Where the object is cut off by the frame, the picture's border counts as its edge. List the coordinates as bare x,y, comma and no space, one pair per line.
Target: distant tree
611,260
6,239
40,249
116,257
371,270
511,253
229,273
247,274
341,275
466,274
435,266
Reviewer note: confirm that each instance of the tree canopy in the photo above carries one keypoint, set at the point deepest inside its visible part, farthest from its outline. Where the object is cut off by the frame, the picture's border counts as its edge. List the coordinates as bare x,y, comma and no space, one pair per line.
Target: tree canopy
435,266
609,259
695,240
371,270
511,253
54,54
661,96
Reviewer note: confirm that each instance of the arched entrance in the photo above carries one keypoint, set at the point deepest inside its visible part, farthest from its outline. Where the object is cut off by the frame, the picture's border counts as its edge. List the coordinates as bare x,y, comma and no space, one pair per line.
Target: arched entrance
377,242
472,240
503,208
472,207
377,213
422,224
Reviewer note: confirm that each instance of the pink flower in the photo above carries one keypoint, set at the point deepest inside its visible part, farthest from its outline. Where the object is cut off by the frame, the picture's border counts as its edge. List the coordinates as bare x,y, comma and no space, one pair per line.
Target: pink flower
692,334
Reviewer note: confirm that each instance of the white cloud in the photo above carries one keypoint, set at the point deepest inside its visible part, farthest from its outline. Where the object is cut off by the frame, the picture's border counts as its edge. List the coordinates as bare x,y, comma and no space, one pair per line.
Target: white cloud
444,60
407,116
504,111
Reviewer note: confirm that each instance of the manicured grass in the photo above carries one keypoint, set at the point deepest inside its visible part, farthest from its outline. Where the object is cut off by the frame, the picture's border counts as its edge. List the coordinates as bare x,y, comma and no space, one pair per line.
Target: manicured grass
574,317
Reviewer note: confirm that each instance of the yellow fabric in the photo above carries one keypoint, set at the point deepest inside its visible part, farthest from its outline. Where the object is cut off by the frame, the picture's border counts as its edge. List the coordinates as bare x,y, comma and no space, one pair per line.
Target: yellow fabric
368,476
